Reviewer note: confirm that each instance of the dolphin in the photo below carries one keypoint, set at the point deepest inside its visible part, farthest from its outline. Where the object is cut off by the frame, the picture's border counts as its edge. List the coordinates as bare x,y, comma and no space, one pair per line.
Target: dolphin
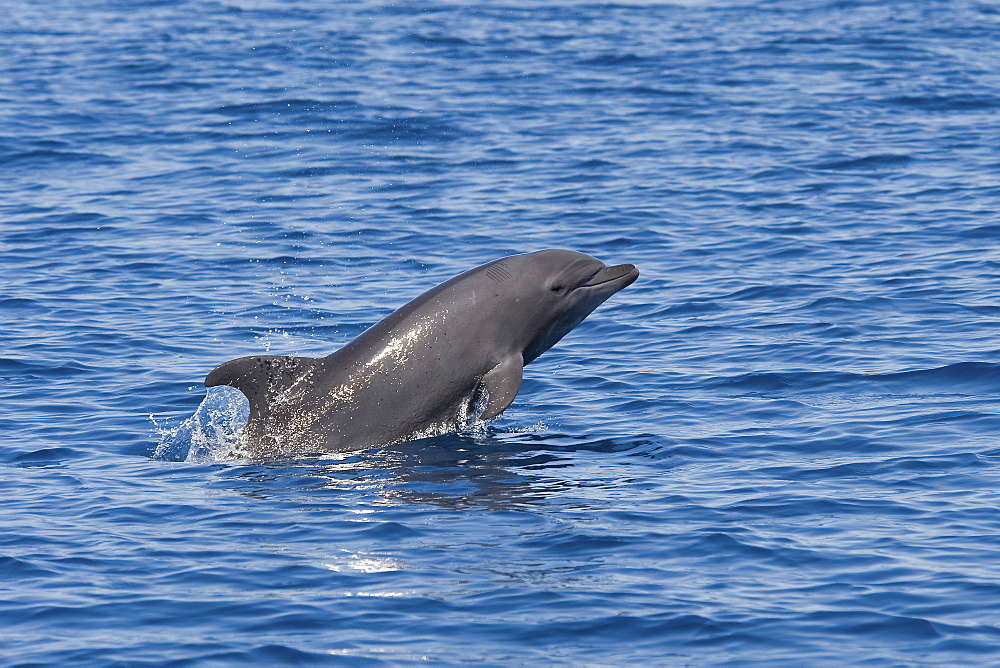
453,355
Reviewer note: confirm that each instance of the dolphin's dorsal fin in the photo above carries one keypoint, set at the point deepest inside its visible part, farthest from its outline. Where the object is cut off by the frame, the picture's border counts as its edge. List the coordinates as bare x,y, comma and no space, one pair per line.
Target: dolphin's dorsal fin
265,380
502,382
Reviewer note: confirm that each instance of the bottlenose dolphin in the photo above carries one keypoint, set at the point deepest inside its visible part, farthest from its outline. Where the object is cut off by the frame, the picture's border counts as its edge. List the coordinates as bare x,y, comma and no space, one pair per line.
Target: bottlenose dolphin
427,368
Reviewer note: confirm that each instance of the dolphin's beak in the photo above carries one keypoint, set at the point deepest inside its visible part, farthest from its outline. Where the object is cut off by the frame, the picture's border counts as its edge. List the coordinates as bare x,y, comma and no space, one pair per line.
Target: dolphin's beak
619,271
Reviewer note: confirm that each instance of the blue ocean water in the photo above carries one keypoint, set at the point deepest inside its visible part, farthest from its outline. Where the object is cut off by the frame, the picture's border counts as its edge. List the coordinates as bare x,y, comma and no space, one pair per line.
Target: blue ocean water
779,447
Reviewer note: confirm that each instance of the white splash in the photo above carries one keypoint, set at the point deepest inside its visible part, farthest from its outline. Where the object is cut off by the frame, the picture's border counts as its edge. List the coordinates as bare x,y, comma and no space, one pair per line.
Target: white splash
208,435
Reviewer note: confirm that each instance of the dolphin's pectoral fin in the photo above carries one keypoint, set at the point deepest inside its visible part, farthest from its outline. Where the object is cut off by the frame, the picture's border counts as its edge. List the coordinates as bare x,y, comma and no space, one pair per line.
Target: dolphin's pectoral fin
264,379
502,382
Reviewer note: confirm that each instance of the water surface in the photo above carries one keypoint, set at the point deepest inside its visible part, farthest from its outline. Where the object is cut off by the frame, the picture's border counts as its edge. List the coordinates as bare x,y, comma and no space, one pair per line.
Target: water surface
778,447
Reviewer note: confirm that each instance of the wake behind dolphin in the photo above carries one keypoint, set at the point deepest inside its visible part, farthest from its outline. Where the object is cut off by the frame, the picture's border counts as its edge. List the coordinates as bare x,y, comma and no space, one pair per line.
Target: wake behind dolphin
426,368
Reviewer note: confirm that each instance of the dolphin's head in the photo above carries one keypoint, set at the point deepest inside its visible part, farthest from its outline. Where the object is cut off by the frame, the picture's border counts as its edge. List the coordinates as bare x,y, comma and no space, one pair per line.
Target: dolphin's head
559,288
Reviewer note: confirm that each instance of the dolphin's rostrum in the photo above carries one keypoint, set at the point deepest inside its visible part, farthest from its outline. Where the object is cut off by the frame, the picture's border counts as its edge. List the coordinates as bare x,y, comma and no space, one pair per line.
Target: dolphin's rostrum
424,369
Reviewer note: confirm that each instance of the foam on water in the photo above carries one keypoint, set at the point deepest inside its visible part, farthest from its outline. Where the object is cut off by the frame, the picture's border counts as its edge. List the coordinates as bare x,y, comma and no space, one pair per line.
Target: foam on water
211,434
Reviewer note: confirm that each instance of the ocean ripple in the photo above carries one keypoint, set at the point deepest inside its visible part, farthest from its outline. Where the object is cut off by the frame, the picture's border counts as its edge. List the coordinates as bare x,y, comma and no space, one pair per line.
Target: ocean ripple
778,447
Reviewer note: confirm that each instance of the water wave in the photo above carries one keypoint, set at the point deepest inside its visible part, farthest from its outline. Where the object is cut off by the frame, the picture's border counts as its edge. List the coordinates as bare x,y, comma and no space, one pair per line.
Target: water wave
777,447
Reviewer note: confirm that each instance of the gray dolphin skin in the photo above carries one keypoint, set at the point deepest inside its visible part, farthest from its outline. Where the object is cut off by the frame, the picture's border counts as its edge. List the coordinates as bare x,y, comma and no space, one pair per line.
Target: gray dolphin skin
428,367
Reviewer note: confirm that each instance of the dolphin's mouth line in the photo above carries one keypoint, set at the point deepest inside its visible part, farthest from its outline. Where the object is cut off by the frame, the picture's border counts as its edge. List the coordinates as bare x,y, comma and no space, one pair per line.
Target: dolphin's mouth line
608,274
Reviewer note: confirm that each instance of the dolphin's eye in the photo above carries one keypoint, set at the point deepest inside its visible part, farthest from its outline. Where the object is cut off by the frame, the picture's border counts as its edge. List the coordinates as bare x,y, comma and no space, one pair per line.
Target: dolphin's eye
557,287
